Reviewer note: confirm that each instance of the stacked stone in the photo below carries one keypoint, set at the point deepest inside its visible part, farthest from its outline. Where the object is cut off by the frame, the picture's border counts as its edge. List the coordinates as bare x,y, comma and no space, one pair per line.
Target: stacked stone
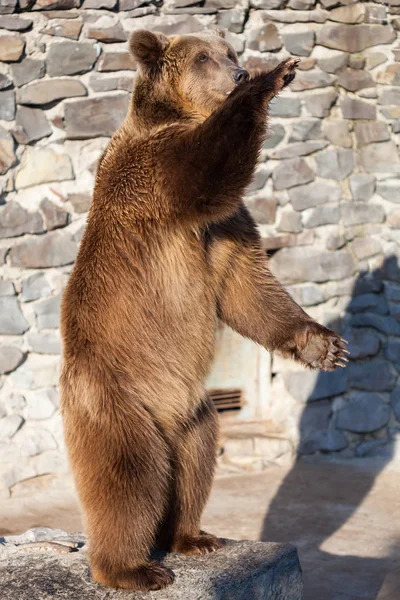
324,195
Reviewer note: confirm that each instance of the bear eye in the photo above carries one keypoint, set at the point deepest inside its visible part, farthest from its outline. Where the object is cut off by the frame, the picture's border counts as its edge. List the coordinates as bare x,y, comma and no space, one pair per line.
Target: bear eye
202,57
231,56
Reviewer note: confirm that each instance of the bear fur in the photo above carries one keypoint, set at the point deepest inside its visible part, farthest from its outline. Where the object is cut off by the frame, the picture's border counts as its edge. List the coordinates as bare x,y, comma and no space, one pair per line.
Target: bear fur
169,249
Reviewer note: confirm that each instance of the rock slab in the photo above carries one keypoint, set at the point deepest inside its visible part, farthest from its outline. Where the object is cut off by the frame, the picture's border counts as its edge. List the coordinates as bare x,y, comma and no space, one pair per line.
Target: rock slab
240,571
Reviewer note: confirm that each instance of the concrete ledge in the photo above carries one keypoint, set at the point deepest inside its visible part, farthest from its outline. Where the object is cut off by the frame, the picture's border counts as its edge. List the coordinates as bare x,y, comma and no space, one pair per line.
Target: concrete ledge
240,571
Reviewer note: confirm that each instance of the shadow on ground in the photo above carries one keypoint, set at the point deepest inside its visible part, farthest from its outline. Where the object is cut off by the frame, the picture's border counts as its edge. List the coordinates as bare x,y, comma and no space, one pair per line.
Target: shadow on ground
335,575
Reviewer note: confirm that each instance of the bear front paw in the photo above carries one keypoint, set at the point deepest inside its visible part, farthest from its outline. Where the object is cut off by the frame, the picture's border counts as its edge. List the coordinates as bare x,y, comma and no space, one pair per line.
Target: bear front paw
321,348
286,72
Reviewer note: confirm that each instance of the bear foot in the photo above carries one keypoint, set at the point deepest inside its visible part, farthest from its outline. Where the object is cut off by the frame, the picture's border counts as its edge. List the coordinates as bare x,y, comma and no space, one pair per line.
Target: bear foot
197,545
148,577
321,348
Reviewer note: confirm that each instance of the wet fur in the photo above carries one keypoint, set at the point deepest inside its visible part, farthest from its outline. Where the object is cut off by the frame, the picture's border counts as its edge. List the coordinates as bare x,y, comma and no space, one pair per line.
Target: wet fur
169,248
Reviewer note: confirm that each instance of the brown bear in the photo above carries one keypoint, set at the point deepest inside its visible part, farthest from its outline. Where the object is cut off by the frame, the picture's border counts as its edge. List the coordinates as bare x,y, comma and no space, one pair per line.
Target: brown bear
169,249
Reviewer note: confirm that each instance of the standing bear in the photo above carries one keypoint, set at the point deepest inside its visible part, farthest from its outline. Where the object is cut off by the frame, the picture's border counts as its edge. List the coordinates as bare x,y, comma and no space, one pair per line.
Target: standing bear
169,249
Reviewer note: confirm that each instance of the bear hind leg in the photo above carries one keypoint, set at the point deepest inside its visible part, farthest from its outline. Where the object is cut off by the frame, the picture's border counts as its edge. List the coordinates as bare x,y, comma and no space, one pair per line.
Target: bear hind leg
194,452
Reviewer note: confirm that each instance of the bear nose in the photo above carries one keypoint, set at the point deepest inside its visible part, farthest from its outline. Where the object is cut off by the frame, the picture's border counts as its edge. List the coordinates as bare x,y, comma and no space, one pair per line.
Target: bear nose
240,76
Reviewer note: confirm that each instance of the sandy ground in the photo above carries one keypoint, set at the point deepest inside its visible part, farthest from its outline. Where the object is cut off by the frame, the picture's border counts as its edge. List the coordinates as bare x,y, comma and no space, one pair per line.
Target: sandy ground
343,518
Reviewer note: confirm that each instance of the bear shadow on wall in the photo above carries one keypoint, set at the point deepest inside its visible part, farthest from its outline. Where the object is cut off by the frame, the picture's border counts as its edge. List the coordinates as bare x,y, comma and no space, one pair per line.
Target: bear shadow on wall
314,502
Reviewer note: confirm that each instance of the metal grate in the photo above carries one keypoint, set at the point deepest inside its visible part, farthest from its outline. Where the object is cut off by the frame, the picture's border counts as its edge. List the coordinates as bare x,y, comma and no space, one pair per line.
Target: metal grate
231,399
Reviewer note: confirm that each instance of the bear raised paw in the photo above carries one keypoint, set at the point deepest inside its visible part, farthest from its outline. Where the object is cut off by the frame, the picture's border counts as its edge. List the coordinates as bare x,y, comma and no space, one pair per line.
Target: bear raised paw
169,249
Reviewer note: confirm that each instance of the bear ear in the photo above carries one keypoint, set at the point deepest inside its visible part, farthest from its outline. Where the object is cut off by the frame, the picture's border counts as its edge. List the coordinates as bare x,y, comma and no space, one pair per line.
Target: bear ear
220,32
147,48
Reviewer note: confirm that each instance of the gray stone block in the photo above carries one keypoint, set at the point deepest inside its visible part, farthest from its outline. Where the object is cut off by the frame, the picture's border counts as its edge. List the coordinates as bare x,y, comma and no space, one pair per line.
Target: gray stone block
389,189
285,106
297,265
363,343
309,386
299,44
27,70
353,108
372,376
335,164
306,129
354,38
10,358
314,194
328,214
7,105
320,104
380,158
358,213
362,186
12,321
53,249
30,125
35,286
69,58
365,413
15,221
241,571
292,172
94,117
48,313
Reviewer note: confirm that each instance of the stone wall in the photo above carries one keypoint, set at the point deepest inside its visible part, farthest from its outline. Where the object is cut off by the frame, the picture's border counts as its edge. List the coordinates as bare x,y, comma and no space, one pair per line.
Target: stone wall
325,196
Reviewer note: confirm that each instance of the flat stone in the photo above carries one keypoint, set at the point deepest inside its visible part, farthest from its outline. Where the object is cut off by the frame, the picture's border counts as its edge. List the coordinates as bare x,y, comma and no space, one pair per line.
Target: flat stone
262,209
335,164
389,189
357,61
354,80
392,291
299,149
297,265
374,59
232,19
337,132
10,358
34,287
70,58
5,82
98,4
392,350
48,313
7,105
48,342
11,47
68,28
300,43
54,249
313,194
348,14
27,70
267,4
359,213
43,165
328,214
33,440
54,216
12,321
105,83
391,112
276,134
395,402
14,23
390,76
6,288
292,172
93,117
393,219
330,60
310,386
7,155
301,4
366,247
241,570
7,6
80,202
380,158
115,33
320,104
285,106
390,96
290,222
330,440
383,323
372,376
259,178
115,61
362,186
286,240
56,4
40,405
264,38
375,131
30,125
353,108
306,129
310,80
365,413
9,427
50,90
15,220
295,16
307,294
354,38
369,303
363,343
